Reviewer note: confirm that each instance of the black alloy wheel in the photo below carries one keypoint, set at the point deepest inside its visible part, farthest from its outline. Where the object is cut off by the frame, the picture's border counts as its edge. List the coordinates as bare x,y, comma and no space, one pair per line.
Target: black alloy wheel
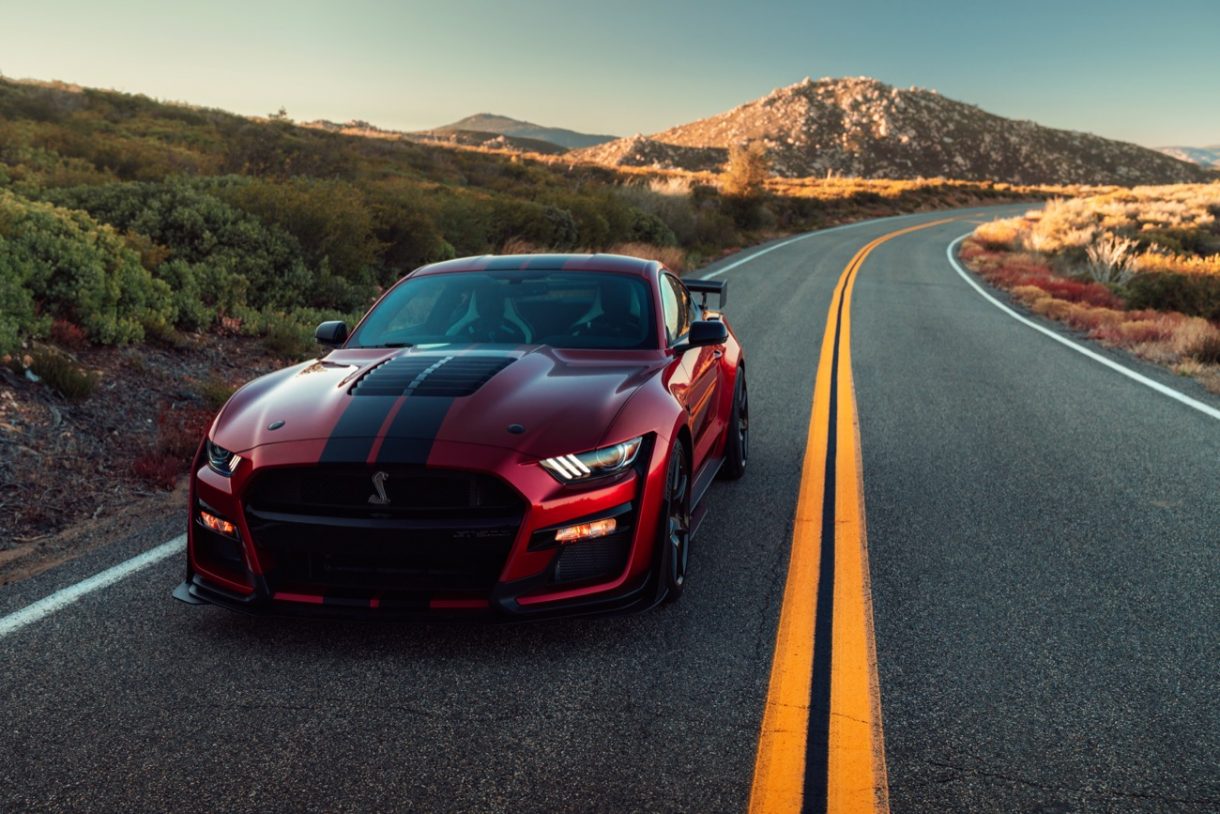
676,522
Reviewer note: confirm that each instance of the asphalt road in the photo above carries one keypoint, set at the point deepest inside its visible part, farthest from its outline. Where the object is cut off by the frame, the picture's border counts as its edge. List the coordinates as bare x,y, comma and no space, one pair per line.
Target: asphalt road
1044,544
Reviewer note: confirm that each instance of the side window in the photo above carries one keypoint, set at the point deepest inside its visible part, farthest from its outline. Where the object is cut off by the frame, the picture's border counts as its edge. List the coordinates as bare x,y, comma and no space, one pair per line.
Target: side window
685,306
673,314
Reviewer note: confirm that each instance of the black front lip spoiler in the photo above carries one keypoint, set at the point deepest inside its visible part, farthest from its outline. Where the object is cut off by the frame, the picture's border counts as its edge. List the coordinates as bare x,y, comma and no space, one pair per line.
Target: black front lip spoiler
641,597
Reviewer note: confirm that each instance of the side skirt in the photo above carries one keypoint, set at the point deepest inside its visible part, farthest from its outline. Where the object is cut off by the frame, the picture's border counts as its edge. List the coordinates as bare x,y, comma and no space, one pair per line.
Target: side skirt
703,482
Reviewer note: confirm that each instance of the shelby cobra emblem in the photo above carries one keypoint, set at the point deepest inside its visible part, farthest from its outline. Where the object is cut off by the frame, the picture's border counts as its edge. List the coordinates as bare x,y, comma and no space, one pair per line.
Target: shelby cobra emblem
379,480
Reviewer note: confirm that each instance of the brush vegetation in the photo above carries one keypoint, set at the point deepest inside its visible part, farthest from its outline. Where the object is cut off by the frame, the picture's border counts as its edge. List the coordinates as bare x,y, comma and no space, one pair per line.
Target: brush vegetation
1135,268
130,220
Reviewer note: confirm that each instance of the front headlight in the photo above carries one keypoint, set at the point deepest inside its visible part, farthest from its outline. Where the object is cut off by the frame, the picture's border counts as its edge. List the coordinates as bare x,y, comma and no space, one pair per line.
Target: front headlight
220,459
596,464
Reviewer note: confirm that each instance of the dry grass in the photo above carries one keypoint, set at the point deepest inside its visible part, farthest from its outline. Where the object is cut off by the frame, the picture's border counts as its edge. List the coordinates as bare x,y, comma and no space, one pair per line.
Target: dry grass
1139,229
516,245
1082,260
999,234
1109,259
1162,262
672,257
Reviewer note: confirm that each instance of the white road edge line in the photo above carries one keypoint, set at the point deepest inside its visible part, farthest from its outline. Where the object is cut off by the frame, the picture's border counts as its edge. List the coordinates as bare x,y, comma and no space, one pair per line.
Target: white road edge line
66,596
1097,357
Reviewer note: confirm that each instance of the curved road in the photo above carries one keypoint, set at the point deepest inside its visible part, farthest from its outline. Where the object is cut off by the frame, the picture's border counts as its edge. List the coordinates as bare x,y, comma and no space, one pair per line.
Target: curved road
1043,542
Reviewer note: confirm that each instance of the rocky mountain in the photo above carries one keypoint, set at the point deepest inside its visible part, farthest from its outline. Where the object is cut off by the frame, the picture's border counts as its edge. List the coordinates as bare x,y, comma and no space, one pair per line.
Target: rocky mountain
861,127
503,125
1203,156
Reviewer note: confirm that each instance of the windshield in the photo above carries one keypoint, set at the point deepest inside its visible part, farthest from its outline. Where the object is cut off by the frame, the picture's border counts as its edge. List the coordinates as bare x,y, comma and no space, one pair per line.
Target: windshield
562,309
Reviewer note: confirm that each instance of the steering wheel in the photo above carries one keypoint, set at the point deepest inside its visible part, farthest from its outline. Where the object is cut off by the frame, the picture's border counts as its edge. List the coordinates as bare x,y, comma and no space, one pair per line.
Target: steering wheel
610,328
495,330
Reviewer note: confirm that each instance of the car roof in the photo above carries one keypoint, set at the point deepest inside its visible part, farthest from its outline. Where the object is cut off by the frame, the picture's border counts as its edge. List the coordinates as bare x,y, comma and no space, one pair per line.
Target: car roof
545,262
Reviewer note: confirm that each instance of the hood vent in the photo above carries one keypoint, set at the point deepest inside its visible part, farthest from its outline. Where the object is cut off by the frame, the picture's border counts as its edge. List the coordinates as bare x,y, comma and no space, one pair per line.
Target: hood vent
450,376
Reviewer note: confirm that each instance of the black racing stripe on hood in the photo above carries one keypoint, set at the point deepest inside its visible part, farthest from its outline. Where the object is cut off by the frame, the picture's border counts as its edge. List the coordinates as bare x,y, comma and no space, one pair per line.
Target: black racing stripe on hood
352,438
413,431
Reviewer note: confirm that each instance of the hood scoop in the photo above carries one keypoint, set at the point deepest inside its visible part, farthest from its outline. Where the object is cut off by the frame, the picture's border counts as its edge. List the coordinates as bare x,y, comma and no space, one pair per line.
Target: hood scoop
449,376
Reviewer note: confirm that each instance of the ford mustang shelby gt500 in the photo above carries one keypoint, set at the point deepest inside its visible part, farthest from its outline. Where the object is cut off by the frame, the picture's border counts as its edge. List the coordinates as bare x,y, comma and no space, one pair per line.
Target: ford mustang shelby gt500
519,435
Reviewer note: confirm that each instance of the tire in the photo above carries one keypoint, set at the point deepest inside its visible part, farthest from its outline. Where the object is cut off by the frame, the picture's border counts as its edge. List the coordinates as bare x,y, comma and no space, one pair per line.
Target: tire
675,524
737,441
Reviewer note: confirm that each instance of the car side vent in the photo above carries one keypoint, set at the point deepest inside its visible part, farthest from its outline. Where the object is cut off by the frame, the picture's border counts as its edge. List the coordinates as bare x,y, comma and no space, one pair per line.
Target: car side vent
450,376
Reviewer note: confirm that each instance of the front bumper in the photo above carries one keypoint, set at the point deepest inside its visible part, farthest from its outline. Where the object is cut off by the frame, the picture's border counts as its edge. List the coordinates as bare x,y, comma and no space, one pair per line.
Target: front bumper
269,565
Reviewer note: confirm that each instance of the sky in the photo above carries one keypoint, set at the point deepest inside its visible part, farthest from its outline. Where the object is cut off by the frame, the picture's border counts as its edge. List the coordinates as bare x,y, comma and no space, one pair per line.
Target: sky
1135,71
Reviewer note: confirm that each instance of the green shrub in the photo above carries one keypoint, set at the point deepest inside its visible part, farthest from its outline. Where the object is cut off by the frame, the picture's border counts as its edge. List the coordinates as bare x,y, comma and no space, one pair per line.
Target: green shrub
192,313
329,220
288,338
79,270
201,228
215,392
648,228
411,237
1193,294
536,223
63,375
18,317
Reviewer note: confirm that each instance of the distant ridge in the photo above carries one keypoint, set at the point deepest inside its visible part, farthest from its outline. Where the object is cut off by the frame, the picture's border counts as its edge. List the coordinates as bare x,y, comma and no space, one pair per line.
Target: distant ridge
860,127
505,126
1203,156
451,136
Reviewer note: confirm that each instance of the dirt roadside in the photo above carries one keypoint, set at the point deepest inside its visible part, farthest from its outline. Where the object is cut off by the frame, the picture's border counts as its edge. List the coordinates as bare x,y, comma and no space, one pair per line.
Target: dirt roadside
73,474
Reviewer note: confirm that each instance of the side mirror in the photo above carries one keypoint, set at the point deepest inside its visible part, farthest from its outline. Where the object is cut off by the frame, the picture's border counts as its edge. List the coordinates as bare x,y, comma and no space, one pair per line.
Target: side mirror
707,332
333,333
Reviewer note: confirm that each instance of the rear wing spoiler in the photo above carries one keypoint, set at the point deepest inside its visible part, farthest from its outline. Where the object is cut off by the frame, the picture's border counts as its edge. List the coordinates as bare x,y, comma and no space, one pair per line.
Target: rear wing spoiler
705,287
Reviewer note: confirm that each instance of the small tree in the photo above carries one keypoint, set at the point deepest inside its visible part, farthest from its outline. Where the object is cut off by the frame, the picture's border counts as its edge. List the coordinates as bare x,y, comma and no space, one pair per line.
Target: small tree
747,170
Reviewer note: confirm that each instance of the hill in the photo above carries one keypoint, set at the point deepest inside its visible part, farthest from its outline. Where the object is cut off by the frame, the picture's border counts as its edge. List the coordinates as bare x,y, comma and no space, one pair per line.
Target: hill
863,128
444,135
505,126
487,141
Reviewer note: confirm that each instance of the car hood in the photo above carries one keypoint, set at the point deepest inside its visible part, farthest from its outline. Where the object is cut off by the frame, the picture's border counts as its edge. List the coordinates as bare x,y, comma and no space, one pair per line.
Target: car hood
555,401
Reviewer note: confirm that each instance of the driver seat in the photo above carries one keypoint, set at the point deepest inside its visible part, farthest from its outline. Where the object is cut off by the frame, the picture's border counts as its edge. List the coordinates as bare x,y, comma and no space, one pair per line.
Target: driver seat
610,314
491,317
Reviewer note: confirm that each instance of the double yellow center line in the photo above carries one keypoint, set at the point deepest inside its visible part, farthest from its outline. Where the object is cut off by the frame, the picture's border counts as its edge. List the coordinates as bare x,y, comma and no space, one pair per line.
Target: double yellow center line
821,747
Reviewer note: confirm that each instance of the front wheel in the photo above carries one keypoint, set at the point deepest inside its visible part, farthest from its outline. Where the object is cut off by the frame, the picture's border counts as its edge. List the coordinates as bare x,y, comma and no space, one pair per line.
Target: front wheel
737,444
675,524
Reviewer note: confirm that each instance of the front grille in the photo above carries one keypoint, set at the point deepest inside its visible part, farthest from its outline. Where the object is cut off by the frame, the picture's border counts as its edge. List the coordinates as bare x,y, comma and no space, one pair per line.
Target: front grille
411,492
440,531
451,376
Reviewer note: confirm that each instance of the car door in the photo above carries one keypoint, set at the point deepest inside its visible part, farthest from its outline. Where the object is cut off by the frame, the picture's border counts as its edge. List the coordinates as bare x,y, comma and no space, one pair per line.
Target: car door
697,388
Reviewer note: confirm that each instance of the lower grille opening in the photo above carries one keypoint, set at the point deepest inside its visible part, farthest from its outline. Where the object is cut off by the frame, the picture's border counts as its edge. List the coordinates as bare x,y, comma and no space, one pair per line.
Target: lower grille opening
600,559
219,554
441,531
383,560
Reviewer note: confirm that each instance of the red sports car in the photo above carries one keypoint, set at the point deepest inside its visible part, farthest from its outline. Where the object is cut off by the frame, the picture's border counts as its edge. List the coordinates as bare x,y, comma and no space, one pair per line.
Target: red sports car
517,436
